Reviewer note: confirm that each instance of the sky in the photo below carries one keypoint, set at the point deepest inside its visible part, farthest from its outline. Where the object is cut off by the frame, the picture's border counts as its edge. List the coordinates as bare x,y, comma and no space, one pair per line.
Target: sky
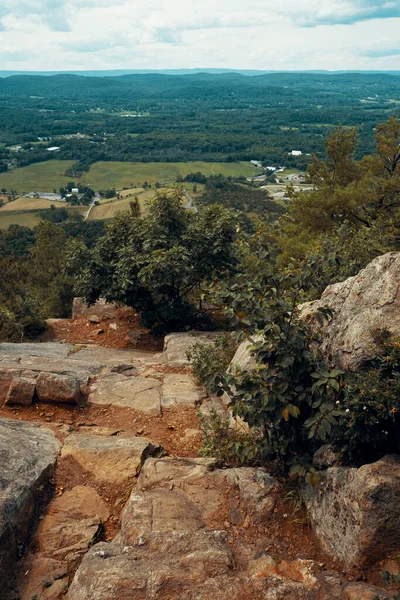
58,35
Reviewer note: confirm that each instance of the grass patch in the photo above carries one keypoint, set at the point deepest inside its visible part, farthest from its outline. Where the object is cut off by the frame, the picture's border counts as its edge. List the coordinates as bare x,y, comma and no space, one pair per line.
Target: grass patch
40,177
104,175
26,219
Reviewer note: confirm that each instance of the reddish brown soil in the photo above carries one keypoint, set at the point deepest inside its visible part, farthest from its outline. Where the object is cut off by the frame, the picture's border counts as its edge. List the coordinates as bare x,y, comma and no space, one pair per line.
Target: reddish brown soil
81,331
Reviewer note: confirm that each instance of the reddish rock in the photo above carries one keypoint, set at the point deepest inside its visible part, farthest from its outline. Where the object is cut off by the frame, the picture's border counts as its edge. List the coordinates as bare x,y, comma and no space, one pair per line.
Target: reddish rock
21,391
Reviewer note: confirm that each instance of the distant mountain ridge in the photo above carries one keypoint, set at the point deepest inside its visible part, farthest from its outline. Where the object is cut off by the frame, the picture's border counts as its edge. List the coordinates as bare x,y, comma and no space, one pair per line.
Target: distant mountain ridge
246,72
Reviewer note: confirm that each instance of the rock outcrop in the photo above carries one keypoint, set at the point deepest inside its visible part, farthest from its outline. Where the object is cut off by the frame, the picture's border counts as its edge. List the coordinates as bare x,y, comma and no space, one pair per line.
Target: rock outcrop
361,304
355,512
27,457
183,536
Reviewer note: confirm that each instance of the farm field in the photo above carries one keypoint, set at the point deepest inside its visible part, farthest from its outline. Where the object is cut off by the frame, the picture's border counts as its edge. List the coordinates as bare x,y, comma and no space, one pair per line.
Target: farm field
29,204
40,177
49,175
104,175
108,209
26,217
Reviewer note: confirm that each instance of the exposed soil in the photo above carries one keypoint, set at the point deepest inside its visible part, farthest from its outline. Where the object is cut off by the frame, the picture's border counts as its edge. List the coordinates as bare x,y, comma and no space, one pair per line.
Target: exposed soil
82,331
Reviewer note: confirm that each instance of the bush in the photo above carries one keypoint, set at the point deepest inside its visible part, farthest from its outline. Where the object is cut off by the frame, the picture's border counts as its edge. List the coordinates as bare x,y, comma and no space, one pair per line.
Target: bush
210,360
159,263
370,427
233,447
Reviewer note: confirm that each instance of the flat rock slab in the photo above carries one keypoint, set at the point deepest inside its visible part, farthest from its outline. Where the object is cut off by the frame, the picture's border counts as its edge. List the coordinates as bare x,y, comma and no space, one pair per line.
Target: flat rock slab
176,345
71,523
140,393
27,457
48,349
180,389
186,495
112,459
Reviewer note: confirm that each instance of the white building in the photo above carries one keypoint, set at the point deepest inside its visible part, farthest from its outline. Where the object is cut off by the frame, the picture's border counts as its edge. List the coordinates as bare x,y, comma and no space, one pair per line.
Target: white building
296,153
75,190
53,149
256,163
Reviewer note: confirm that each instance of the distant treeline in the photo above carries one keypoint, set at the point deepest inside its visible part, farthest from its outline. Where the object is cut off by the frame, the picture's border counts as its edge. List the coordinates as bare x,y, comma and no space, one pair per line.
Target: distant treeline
153,117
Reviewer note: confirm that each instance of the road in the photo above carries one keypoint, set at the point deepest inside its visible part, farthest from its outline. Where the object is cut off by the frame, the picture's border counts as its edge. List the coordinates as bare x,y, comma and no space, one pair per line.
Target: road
95,199
190,205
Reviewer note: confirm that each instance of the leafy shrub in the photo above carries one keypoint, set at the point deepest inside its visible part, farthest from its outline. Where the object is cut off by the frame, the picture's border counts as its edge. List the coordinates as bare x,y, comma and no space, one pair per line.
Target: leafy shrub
158,263
371,423
233,447
210,360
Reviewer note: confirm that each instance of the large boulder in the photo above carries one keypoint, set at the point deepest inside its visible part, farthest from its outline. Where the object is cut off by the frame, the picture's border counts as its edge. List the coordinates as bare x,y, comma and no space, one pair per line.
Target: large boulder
355,512
360,305
187,495
27,457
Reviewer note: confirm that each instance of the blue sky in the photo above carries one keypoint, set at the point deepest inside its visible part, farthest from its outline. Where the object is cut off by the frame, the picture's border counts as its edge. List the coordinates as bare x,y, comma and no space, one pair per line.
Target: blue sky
161,34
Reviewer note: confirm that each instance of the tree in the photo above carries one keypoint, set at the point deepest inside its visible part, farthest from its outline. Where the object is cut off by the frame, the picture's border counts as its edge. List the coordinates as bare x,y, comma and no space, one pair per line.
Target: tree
52,288
158,263
345,190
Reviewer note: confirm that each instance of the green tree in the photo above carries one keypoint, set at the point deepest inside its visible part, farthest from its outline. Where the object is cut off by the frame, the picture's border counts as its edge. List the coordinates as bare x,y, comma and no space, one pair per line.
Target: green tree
47,279
159,263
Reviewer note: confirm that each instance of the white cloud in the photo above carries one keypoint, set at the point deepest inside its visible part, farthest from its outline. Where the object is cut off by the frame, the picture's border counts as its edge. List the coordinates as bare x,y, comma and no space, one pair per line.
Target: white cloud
264,34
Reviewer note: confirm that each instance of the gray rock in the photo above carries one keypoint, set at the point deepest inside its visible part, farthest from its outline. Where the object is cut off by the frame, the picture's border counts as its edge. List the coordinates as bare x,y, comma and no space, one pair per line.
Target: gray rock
27,458
45,349
94,319
61,389
355,512
180,389
326,456
140,393
21,391
176,345
360,305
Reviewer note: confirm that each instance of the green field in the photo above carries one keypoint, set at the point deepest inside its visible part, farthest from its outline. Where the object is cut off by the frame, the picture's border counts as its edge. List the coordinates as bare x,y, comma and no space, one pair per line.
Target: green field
27,219
49,175
39,177
104,175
